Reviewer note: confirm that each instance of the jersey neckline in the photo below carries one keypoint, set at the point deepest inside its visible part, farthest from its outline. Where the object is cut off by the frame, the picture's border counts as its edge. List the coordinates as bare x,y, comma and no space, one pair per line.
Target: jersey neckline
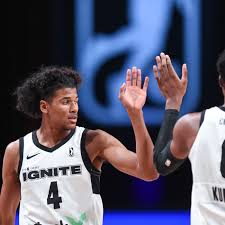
45,148
222,108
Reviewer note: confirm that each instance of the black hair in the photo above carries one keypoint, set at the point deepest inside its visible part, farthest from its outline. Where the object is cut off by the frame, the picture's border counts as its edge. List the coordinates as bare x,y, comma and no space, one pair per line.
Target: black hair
221,65
42,85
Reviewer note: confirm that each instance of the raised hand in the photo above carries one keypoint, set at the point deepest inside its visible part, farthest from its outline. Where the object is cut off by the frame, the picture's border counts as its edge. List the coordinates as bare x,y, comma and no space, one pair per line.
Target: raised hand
132,94
171,86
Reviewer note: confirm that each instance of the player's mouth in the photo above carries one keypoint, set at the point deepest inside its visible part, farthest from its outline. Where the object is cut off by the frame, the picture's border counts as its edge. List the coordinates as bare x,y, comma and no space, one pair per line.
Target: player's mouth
73,118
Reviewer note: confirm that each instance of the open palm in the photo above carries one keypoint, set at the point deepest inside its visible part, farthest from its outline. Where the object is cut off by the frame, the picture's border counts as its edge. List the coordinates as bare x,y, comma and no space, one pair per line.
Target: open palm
132,95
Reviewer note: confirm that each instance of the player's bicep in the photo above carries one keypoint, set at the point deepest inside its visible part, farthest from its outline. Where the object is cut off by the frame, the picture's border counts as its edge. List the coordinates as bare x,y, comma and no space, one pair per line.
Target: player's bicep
176,150
10,193
119,156
184,134
178,145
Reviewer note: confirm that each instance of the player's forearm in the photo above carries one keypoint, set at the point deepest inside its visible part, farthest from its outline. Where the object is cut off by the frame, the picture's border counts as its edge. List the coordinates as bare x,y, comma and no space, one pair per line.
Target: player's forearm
7,219
144,147
9,202
164,160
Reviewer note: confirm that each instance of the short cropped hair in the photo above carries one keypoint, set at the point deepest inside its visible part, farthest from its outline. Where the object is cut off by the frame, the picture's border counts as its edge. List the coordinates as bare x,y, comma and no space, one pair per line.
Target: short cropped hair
42,85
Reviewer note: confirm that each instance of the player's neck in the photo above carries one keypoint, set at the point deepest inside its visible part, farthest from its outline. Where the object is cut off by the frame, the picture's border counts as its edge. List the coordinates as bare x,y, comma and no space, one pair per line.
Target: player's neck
50,137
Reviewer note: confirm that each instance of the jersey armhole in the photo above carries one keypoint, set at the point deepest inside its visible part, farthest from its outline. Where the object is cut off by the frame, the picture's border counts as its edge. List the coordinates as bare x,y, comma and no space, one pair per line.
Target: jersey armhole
21,147
95,174
222,108
202,118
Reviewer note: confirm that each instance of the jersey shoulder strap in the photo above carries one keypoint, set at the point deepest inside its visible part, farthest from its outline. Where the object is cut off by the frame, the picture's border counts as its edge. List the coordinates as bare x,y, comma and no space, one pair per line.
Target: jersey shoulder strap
21,150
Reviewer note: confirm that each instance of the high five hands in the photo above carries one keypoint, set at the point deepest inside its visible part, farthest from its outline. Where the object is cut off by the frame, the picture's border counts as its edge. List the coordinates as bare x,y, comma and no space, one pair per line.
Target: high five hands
133,95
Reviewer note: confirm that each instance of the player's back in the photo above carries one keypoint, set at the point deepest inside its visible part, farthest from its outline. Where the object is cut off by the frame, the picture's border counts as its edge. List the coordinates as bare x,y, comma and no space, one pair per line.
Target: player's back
207,158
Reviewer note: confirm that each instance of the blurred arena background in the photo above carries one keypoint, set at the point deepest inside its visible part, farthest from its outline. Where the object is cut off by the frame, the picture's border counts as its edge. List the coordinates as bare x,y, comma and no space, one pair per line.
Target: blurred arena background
101,39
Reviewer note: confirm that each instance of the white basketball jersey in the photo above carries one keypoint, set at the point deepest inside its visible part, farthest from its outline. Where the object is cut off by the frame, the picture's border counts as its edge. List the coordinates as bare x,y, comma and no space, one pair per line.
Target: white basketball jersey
59,185
207,158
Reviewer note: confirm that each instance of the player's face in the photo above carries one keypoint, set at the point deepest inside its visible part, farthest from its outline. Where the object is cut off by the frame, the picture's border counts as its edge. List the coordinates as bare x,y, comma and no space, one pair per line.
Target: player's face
63,108
222,85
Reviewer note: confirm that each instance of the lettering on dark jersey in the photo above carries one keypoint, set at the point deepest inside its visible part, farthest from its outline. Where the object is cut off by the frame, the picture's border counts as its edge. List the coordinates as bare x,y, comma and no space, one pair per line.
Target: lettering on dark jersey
51,172
218,194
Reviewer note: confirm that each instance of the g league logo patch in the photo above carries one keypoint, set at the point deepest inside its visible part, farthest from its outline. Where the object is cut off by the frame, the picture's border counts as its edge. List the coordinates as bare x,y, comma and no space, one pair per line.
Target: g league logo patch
71,152
151,27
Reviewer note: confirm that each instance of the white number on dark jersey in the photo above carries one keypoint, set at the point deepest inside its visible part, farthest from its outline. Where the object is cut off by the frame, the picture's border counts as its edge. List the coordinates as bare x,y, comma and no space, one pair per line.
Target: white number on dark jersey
53,195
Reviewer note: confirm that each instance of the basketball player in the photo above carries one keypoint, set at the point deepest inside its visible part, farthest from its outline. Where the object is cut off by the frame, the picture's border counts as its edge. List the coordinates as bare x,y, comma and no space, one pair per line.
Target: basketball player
54,172
198,136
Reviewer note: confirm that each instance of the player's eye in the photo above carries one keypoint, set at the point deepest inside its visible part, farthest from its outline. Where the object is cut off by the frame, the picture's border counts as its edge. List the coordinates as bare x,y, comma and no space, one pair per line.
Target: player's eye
65,101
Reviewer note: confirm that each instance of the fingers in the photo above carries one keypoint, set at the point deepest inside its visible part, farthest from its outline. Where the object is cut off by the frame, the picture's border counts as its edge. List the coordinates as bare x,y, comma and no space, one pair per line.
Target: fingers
161,67
170,67
122,90
184,77
156,73
128,77
164,70
134,76
159,63
163,59
139,78
145,85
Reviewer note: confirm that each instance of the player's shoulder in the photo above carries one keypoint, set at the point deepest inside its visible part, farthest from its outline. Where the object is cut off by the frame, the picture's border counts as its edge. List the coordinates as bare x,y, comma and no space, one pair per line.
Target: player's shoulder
186,129
190,120
98,134
99,138
188,125
195,120
11,156
12,147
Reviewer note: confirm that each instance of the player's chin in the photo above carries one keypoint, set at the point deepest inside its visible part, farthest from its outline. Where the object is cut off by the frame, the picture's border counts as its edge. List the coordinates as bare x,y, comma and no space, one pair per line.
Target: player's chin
71,126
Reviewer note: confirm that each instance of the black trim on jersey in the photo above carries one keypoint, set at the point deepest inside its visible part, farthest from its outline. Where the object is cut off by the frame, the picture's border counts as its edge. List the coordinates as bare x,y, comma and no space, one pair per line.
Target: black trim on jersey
21,147
222,108
95,174
202,117
47,149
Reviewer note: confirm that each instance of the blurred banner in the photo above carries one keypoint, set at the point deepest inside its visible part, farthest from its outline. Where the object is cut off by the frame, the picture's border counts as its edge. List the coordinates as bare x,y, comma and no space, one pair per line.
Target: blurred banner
134,34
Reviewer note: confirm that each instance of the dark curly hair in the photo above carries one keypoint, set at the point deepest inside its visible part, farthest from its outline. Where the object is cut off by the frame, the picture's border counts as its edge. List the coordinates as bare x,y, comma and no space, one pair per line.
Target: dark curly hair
221,65
42,85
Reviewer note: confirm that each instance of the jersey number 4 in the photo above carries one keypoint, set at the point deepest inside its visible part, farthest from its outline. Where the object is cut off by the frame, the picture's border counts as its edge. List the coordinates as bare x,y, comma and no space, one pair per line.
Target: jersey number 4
53,195
222,164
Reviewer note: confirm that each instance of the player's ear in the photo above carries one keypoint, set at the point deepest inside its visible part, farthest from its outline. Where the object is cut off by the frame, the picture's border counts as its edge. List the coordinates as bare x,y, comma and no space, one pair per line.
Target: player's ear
221,82
44,106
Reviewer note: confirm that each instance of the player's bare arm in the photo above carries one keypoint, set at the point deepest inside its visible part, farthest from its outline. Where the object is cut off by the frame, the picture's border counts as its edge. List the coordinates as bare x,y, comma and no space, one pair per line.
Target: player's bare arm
10,193
139,163
182,141
102,146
